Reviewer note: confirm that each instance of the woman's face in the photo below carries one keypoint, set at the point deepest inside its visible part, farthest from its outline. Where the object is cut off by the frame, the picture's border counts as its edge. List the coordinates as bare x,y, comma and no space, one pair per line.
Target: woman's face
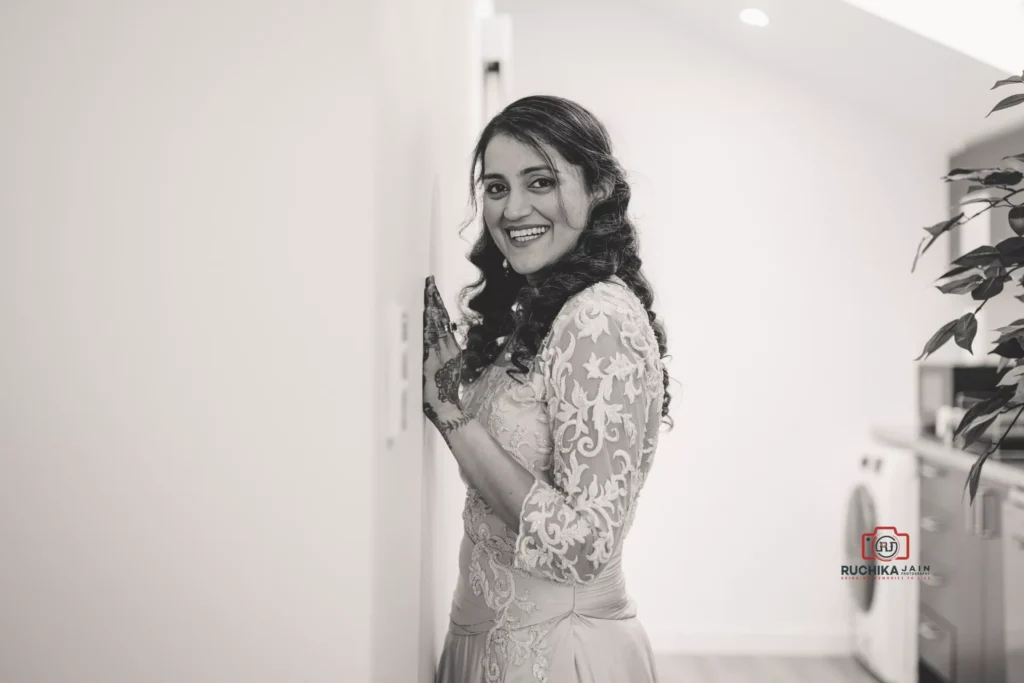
521,205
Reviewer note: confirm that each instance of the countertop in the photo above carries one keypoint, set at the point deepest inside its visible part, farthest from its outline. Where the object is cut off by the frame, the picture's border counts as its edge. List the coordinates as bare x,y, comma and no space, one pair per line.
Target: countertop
932,450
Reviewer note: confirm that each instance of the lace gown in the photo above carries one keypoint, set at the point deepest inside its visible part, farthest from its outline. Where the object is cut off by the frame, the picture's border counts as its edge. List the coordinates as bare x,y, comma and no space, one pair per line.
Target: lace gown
549,604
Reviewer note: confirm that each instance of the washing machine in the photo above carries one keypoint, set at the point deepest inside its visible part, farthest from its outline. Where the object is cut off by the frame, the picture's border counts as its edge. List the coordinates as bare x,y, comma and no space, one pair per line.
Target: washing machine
882,525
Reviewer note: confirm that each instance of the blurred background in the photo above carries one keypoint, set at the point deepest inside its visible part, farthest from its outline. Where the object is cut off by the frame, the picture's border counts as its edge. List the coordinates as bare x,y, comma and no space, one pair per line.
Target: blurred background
215,223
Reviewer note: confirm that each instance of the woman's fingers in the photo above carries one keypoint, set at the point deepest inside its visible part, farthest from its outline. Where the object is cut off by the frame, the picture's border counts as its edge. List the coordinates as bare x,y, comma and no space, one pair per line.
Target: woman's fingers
451,347
442,310
436,323
428,319
433,330
435,293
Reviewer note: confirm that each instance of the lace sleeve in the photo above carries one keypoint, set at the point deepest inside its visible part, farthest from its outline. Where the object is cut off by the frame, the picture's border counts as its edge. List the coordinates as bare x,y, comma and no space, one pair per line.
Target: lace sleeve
598,403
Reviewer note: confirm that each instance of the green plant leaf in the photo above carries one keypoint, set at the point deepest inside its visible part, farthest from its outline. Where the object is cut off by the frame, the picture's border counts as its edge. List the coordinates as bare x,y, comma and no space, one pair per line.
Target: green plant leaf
962,285
1006,177
1011,331
980,200
989,288
1016,220
1011,245
934,231
978,411
1016,324
943,335
1010,348
1004,363
981,412
1011,251
953,273
995,270
985,176
964,331
1011,101
966,173
1015,157
1012,377
917,254
982,256
976,430
1007,81
974,475
944,226
1007,336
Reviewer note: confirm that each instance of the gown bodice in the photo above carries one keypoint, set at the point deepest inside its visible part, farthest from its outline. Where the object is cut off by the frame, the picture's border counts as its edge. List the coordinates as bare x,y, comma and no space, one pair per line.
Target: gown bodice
584,420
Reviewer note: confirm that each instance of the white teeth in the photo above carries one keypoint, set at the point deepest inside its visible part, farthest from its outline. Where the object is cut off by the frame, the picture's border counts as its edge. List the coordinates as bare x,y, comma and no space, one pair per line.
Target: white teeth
527,234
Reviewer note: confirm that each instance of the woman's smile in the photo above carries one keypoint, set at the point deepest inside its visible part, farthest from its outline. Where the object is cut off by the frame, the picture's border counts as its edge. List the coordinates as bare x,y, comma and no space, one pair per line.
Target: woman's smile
527,234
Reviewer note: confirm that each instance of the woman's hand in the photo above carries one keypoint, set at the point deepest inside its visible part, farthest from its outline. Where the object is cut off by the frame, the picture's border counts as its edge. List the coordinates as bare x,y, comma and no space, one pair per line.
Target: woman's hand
442,365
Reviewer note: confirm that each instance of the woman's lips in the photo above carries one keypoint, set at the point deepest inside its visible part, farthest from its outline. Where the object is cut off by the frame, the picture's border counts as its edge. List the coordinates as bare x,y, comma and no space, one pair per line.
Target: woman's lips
530,238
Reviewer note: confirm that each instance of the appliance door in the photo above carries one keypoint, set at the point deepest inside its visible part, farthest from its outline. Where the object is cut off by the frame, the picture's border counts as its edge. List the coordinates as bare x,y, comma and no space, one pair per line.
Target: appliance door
861,518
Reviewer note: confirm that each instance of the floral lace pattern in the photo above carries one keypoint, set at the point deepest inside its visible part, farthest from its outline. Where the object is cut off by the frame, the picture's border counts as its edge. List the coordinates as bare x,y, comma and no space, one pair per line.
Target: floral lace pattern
500,595
514,415
585,423
603,394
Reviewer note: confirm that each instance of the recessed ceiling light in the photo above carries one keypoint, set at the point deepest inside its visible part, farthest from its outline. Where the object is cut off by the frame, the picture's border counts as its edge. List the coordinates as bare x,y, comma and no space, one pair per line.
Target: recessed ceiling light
754,17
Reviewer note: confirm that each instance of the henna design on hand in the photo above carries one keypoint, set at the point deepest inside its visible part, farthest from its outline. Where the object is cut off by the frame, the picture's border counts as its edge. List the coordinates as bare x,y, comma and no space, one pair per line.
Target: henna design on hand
437,332
446,427
451,426
426,344
448,379
436,323
431,414
431,336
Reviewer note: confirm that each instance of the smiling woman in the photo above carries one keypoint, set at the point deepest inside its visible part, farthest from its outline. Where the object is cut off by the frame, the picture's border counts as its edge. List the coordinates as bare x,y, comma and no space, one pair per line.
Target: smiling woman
555,437
534,211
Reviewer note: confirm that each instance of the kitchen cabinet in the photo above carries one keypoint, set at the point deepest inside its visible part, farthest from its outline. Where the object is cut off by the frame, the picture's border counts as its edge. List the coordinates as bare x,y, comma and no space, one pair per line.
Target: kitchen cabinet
972,606
988,514
950,634
1013,585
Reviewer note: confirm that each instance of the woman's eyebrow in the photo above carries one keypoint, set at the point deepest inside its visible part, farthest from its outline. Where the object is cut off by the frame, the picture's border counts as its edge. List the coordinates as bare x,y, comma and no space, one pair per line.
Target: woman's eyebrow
525,171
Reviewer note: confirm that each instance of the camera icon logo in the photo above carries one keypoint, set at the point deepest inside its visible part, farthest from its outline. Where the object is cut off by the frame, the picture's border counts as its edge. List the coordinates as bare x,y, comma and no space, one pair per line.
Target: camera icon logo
885,544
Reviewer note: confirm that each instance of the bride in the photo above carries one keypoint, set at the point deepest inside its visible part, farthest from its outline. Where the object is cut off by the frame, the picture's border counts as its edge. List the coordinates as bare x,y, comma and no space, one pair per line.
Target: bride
552,408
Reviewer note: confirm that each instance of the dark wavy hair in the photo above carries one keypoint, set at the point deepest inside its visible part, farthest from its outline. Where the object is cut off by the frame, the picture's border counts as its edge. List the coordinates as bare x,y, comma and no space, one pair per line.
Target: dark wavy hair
501,302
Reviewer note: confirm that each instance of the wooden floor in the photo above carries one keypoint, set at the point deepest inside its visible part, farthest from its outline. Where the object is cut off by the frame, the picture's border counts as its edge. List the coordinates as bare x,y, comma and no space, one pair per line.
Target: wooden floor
713,669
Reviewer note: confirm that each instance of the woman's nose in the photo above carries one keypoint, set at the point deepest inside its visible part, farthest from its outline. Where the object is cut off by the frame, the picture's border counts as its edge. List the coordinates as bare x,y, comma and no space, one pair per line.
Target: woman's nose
518,206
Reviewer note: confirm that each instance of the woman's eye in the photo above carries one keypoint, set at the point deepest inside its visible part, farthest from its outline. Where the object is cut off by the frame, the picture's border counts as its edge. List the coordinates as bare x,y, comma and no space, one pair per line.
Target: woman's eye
495,188
543,183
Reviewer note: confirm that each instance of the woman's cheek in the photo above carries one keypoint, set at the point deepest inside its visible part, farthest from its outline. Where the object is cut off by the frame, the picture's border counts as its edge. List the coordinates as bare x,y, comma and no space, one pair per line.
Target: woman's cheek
492,219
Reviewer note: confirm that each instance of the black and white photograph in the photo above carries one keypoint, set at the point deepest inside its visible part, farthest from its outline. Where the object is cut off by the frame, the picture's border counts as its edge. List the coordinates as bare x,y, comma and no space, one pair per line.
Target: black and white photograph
512,341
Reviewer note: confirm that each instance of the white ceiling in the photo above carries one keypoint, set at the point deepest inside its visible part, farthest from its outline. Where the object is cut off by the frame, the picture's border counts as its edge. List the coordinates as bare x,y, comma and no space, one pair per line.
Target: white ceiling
987,30
837,48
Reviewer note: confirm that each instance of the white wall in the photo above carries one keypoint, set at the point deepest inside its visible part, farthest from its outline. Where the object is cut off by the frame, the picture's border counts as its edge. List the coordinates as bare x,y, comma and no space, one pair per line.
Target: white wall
778,229
196,202
426,121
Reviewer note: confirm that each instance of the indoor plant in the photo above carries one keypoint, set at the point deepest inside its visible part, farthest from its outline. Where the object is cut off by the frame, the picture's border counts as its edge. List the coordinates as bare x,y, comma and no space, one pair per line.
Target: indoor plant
982,273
